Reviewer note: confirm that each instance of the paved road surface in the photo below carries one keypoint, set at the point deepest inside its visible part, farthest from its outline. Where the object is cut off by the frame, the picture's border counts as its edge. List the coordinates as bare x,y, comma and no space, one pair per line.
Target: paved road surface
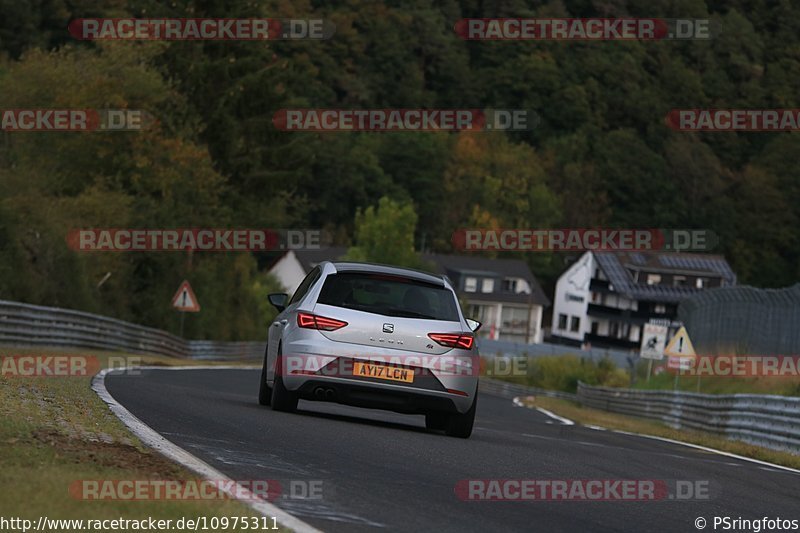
384,471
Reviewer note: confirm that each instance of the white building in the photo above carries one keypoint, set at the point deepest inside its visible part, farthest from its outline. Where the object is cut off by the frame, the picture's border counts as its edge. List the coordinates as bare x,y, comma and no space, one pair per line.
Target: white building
293,266
604,298
503,294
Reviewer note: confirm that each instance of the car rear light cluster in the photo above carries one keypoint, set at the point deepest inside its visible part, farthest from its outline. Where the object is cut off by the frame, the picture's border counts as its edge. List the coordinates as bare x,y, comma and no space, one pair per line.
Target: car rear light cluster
308,320
453,340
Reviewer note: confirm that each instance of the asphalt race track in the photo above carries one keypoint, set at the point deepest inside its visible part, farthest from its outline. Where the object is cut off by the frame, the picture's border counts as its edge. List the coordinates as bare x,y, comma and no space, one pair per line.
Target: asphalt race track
383,471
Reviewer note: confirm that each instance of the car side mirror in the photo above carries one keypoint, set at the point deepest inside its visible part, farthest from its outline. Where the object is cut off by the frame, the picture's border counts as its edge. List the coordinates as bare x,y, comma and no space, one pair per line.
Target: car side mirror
474,325
278,300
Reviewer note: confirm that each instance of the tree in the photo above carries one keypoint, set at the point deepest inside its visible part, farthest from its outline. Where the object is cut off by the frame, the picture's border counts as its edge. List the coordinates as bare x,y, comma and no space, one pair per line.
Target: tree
386,234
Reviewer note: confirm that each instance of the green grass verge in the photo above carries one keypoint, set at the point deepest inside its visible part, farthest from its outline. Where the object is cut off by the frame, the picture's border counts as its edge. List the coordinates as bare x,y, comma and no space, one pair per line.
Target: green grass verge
782,386
56,430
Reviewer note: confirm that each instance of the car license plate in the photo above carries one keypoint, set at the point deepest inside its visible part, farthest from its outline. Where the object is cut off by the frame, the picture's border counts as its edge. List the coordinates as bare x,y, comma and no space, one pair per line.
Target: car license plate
369,370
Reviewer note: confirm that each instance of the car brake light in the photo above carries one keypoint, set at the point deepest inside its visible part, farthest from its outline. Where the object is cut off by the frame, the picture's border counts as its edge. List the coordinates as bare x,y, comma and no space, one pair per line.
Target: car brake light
453,340
307,320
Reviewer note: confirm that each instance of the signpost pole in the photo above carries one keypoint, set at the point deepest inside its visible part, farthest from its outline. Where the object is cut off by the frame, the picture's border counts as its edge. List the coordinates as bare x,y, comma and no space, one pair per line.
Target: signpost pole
654,336
680,349
183,313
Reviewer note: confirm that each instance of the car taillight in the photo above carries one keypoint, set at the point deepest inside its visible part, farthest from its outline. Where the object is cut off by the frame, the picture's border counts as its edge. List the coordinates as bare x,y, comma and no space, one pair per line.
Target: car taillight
307,320
453,340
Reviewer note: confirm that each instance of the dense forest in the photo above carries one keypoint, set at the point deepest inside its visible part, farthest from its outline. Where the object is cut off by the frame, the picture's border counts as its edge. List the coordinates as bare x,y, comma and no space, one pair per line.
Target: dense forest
601,155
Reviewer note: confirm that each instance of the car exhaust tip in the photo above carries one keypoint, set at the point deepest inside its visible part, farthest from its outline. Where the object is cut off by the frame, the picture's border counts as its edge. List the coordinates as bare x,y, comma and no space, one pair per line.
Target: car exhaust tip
319,393
330,394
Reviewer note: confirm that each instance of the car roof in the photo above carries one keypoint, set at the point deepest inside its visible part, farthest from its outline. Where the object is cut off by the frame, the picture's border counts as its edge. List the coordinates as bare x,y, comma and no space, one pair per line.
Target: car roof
377,268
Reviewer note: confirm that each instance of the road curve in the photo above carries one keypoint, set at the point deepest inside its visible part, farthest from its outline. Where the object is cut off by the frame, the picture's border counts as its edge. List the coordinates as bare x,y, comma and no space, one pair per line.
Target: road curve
383,471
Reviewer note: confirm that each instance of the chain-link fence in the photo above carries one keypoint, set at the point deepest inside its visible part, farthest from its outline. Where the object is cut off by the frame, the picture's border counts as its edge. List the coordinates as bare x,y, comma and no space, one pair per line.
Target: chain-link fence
744,320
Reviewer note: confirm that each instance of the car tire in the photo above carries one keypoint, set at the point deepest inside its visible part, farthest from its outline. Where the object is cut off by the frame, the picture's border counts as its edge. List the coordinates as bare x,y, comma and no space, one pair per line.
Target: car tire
282,398
435,421
264,390
460,425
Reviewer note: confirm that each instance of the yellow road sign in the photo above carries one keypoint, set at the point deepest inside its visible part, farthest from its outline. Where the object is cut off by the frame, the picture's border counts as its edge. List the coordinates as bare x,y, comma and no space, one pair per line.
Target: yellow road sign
680,345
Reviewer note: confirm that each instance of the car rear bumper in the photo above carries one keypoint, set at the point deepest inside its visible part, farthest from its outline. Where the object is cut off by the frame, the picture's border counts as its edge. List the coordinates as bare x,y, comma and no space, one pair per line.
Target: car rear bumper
391,398
446,383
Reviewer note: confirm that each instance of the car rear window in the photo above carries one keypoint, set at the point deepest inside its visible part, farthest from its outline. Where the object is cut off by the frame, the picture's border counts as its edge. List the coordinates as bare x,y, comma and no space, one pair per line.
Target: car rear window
389,295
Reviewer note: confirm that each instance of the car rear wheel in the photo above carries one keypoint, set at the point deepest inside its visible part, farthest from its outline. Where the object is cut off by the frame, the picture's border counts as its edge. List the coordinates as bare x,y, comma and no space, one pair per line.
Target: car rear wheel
460,425
282,398
264,390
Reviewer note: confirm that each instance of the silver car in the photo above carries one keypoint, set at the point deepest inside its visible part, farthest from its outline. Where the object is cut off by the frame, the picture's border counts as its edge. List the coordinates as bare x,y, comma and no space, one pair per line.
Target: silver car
374,336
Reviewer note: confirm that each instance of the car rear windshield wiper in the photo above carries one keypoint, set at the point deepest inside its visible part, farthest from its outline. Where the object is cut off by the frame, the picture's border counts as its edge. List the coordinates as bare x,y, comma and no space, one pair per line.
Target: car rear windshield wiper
406,313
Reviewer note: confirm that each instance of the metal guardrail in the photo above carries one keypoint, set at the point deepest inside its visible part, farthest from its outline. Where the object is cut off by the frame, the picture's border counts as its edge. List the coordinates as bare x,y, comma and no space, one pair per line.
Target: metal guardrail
505,389
768,421
226,350
25,325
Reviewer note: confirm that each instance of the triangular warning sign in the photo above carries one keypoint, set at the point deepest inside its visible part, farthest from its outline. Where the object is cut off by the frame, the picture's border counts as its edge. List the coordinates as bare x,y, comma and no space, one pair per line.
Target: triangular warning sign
185,300
680,345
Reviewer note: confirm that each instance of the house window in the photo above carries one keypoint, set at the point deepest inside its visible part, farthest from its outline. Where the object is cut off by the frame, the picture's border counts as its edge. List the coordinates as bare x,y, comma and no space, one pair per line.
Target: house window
509,285
575,324
679,281
614,330
471,284
562,321
514,319
487,285
661,309
653,279
700,283
595,327
597,297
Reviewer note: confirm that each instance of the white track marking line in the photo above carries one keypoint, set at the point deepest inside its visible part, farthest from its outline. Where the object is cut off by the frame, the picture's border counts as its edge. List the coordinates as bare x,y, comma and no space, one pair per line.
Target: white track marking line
172,451
565,421
517,401
710,450
569,422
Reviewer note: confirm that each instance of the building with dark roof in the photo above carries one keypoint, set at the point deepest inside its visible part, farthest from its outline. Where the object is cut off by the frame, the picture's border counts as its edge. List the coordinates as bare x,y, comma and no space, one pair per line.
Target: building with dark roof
502,294
604,298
